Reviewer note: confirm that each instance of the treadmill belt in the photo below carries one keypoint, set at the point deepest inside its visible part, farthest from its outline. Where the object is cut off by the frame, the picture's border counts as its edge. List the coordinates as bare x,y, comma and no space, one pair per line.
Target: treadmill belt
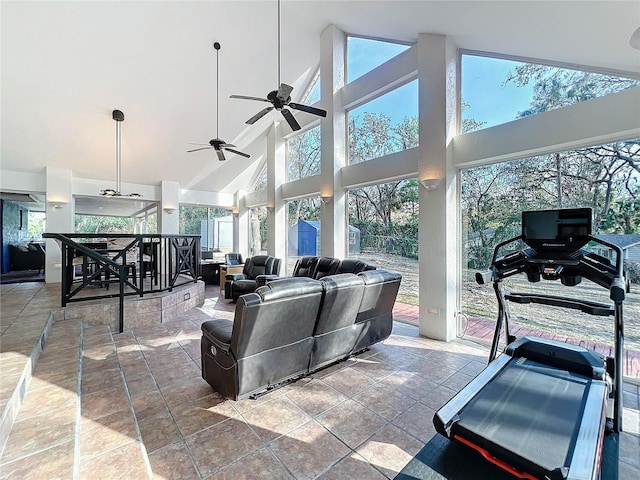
529,409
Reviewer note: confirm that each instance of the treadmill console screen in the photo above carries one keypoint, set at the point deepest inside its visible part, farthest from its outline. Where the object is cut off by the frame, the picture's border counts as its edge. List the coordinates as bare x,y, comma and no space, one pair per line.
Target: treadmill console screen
564,229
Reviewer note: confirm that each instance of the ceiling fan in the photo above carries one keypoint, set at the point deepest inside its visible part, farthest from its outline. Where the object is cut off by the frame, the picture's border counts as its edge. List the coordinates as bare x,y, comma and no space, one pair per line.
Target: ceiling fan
281,98
217,143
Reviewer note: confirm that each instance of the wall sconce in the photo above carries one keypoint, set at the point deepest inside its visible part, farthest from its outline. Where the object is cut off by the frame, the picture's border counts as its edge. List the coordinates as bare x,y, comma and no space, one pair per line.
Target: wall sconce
326,199
57,203
634,41
431,183
170,210
234,210
271,209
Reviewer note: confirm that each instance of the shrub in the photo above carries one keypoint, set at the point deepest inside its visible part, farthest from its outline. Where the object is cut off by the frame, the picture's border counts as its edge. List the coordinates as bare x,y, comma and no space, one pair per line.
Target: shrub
633,271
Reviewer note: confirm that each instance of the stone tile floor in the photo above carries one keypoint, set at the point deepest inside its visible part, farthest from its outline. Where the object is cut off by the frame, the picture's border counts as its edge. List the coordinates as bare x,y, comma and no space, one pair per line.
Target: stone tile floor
133,405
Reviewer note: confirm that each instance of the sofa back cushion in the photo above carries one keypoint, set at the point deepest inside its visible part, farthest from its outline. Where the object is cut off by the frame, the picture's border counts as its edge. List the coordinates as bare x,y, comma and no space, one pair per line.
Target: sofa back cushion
279,313
272,333
325,266
375,315
304,266
342,299
335,334
351,265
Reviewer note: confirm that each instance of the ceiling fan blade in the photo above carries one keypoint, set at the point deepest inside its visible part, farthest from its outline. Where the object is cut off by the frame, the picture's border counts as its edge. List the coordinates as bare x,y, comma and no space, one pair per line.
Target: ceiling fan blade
203,144
288,116
284,92
259,115
308,109
237,152
245,97
226,145
198,149
221,156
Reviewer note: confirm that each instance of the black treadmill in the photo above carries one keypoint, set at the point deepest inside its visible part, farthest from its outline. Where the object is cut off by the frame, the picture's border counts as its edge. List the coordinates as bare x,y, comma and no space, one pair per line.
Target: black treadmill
541,409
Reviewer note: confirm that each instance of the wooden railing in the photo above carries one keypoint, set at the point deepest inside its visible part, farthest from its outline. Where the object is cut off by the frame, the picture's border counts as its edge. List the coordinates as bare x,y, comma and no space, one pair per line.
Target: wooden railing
136,264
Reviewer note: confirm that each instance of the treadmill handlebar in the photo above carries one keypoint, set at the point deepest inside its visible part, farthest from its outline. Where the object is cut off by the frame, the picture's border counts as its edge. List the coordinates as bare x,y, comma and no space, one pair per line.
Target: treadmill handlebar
569,267
617,290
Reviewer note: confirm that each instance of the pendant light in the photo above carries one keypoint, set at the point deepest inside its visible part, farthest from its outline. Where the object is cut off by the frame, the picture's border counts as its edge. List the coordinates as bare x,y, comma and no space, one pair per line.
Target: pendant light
118,116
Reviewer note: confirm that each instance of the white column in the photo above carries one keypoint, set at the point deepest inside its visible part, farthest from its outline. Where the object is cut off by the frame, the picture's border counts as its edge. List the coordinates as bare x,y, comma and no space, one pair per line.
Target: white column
168,216
439,219
240,225
60,213
332,78
277,226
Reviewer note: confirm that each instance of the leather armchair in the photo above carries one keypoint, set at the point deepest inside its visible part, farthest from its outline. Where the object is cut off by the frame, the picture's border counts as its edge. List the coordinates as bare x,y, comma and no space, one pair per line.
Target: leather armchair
233,258
246,282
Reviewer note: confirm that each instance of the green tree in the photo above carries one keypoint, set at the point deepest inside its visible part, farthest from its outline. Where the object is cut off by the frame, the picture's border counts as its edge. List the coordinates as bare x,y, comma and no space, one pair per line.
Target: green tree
596,177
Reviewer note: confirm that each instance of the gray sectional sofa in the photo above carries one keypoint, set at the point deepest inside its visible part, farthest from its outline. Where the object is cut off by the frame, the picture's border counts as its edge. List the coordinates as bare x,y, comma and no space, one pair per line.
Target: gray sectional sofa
292,327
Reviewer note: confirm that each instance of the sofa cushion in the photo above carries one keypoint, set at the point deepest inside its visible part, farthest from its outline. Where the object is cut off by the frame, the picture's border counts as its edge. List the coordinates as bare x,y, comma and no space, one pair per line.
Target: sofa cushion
325,266
288,287
304,266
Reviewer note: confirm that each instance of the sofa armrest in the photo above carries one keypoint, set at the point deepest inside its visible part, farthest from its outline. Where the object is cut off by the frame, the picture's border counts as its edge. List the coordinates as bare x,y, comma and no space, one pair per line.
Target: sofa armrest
230,277
262,280
218,332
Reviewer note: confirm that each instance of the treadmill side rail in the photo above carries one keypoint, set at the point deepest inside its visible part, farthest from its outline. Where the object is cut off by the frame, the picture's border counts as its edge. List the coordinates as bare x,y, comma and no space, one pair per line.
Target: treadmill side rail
447,415
587,453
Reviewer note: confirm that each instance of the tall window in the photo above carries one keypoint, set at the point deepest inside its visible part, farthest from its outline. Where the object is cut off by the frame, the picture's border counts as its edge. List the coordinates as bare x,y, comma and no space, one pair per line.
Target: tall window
363,55
304,230
383,231
385,125
604,178
261,180
496,91
313,93
258,231
214,225
36,226
303,155
104,224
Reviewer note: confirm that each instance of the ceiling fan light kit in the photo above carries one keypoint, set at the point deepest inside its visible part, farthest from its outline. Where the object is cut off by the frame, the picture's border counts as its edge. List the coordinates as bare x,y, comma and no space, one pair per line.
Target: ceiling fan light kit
281,98
118,116
217,143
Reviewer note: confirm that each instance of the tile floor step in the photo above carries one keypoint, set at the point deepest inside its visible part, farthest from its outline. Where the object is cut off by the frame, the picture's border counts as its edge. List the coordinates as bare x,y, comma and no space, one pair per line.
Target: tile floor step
76,420
25,324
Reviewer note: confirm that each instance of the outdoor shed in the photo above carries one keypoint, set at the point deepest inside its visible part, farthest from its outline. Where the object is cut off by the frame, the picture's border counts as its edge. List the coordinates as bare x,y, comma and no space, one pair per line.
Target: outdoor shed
304,238
630,245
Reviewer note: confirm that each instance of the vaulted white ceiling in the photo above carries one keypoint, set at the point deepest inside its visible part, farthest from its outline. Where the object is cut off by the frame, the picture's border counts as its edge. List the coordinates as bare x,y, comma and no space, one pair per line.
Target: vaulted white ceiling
67,65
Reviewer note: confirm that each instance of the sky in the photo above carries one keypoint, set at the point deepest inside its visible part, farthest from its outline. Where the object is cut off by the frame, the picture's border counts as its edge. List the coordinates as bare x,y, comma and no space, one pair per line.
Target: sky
489,100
